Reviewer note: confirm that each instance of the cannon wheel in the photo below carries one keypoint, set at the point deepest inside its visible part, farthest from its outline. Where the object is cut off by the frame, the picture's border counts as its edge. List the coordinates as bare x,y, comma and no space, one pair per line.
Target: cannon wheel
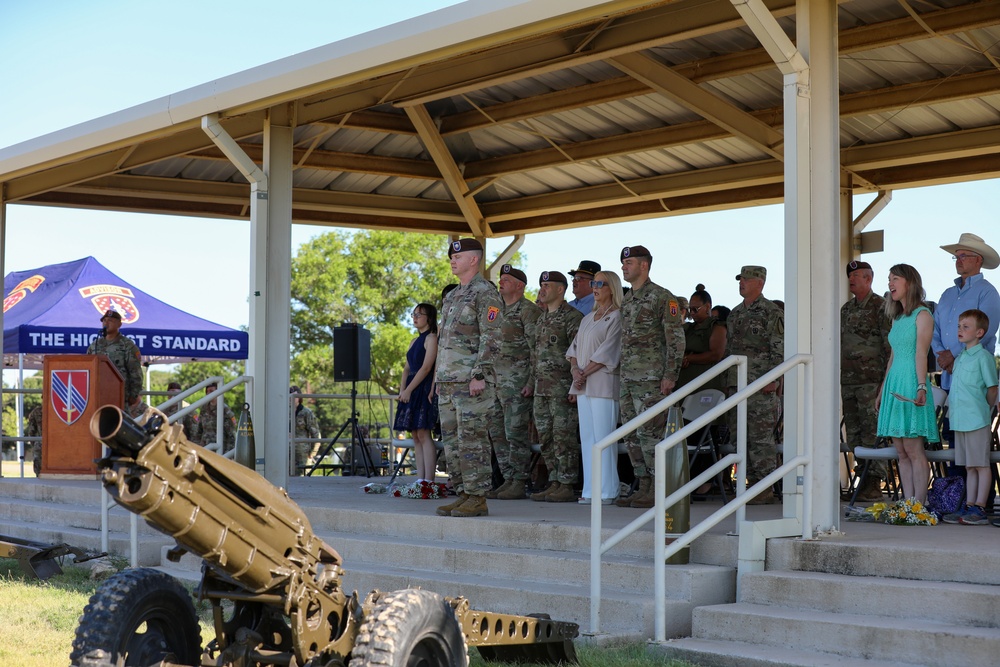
410,628
139,617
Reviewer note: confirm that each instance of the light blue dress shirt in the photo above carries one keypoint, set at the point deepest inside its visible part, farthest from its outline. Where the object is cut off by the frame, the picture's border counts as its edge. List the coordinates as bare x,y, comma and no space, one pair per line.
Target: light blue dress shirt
976,293
585,304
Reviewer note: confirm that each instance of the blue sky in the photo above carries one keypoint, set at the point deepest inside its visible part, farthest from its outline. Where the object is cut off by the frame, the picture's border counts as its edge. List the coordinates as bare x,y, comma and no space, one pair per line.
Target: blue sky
70,61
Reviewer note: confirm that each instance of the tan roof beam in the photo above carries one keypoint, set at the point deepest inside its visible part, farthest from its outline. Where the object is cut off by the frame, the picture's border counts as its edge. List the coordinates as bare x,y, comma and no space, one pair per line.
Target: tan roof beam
335,161
948,146
935,173
452,175
708,105
373,121
127,158
175,189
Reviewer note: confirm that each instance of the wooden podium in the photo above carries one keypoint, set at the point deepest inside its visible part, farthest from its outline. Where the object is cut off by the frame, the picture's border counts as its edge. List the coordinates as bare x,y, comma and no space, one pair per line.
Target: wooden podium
74,387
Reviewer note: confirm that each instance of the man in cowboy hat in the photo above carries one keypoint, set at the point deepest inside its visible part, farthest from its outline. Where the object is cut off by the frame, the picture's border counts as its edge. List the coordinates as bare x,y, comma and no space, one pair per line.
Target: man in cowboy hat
584,293
971,290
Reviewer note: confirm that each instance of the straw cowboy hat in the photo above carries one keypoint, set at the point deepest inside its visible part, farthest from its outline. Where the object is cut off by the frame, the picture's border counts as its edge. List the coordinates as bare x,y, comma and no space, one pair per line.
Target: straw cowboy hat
991,259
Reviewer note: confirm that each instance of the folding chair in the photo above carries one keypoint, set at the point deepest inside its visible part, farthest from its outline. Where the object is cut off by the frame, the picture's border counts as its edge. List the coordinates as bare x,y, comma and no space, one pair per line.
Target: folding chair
694,406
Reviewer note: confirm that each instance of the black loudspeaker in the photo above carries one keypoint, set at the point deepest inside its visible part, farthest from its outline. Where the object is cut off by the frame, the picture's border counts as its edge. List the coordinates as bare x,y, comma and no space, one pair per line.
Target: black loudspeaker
352,345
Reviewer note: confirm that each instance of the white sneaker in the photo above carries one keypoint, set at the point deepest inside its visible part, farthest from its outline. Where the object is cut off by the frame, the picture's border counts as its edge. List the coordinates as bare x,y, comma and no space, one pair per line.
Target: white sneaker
584,501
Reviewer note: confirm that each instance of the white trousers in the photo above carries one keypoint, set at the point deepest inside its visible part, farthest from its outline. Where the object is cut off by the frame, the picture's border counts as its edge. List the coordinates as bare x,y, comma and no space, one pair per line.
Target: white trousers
598,417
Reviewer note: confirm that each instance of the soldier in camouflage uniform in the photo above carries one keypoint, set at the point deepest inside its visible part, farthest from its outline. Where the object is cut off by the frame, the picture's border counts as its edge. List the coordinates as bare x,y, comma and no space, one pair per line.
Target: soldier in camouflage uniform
555,412
306,426
208,421
468,344
34,430
652,350
864,355
124,354
757,329
190,422
515,385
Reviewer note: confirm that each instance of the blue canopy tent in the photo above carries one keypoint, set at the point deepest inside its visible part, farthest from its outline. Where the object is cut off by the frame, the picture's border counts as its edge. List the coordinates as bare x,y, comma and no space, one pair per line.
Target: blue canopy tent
56,310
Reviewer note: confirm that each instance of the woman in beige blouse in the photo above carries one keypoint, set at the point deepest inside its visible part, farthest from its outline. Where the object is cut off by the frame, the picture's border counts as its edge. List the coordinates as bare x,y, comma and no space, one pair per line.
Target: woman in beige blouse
594,357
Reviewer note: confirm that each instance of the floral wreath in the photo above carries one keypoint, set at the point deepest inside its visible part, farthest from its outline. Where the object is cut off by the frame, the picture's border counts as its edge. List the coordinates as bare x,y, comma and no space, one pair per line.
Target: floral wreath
422,490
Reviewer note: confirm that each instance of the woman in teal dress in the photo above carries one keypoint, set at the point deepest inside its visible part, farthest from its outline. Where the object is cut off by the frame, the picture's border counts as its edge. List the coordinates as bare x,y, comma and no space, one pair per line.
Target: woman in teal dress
904,413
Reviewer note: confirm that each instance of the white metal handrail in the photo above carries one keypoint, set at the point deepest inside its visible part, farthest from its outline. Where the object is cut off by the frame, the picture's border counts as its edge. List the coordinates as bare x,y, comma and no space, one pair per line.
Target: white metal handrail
738,506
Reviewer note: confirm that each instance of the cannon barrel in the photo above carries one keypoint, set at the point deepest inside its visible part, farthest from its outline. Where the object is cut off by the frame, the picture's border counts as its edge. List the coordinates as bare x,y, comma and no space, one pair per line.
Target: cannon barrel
242,526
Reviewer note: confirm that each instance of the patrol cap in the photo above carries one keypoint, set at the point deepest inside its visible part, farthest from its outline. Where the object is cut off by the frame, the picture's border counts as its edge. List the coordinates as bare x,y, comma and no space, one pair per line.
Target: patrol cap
464,245
855,265
111,313
174,385
751,271
514,273
635,251
586,266
552,277
294,389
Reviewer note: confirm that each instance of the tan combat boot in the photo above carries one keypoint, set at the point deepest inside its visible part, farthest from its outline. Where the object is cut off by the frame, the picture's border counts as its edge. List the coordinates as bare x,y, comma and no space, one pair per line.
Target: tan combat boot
871,492
643,497
542,495
494,493
626,500
513,492
474,506
564,494
445,510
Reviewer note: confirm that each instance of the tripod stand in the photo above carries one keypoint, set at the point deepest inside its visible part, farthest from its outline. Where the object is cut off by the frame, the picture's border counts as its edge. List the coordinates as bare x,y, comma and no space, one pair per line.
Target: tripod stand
357,436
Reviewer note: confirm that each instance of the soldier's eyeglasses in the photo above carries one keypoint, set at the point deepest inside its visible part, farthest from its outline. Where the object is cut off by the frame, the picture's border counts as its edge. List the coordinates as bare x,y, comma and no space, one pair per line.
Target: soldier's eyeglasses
594,284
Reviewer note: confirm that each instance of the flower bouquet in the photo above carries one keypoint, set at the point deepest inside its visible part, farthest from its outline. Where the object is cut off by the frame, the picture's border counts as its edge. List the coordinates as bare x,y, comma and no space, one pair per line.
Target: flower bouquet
907,512
375,487
422,490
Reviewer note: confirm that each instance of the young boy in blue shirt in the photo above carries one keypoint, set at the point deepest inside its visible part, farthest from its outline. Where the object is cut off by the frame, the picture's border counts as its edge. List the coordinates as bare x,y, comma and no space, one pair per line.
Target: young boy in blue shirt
971,399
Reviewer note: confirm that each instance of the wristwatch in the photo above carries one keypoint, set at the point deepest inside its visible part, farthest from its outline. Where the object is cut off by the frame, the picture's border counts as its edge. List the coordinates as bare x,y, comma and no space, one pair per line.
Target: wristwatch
478,375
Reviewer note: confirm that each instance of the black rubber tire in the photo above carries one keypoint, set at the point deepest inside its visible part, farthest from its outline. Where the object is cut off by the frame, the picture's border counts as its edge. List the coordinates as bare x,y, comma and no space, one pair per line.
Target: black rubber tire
410,628
139,617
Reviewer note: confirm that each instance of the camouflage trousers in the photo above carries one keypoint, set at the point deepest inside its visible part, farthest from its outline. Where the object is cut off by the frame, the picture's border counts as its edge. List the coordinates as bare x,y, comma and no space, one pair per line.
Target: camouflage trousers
509,426
465,435
557,422
763,411
861,422
635,397
303,453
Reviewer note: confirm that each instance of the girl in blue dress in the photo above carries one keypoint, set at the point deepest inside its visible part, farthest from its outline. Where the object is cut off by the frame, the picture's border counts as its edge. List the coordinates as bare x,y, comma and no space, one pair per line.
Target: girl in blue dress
417,408
904,413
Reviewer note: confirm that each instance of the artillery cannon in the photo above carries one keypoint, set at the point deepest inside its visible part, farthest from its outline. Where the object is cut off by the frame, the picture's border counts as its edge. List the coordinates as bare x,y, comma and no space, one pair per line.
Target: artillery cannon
273,585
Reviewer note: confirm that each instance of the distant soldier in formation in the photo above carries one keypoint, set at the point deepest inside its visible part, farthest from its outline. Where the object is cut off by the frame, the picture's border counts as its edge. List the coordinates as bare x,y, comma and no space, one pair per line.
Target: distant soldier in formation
190,421
652,350
34,430
306,426
208,421
554,408
864,355
515,384
124,354
468,344
757,329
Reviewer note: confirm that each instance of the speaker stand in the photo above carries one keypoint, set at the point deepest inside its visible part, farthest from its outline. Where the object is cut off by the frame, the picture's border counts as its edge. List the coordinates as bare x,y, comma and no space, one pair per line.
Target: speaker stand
356,437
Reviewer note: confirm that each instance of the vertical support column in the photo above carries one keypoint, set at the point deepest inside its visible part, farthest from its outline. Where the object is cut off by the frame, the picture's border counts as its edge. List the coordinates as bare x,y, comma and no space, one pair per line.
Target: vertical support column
817,38
3,272
271,249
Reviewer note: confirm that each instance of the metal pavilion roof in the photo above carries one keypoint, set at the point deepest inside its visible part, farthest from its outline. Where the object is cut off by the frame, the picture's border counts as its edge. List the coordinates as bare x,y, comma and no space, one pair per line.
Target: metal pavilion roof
540,116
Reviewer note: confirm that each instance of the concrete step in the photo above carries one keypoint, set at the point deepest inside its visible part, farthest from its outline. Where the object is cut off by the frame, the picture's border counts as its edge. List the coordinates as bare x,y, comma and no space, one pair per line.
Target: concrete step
70,515
853,636
118,542
960,603
70,492
939,553
720,653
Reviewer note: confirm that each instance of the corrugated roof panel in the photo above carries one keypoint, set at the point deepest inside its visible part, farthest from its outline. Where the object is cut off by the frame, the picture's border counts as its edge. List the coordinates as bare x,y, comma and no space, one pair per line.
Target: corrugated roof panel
760,90
314,179
871,129
921,122
661,108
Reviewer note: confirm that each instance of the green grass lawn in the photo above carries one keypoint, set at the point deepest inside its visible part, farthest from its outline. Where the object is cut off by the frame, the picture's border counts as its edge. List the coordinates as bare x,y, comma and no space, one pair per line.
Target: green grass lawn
39,620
